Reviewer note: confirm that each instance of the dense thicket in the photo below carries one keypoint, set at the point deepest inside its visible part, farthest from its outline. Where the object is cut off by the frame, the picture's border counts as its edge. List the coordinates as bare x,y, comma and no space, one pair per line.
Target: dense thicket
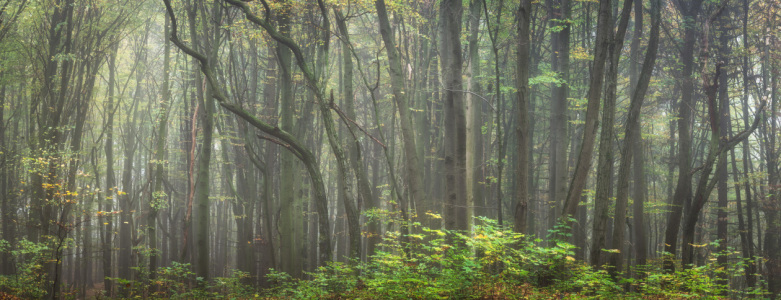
152,146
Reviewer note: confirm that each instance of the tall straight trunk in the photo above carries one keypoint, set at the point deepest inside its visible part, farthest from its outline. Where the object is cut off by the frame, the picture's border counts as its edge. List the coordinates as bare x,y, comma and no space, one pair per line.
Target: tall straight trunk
267,253
107,202
412,162
772,209
638,169
202,185
455,120
748,243
499,104
611,85
717,150
287,167
602,46
5,174
130,144
722,188
683,187
86,83
355,152
158,197
522,115
560,47
126,193
605,161
632,137
474,120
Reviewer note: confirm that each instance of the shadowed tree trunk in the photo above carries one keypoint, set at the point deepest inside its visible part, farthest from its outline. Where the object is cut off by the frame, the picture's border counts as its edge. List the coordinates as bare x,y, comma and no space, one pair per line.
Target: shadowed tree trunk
559,12
474,120
455,120
601,47
633,137
522,115
683,187
412,161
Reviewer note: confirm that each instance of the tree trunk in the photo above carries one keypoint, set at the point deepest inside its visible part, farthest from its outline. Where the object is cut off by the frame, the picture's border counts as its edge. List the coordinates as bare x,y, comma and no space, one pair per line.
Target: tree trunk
158,197
287,167
632,137
412,161
724,131
455,121
602,46
474,120
522,114
560,47
683,187
748,243
639,178
355,151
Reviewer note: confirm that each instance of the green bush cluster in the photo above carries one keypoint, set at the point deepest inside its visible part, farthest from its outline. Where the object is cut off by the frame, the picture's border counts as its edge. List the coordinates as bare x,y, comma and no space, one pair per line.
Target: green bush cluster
490,263
28,259
179,282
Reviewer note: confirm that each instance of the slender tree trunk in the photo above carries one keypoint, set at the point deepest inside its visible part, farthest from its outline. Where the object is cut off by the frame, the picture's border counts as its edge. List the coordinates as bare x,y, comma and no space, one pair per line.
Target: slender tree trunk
683,187
287,165
455,120
633,137
158,197
602,46
522,114
559,12
724,132
474,120
748,245
640,182
412,161
107,202
771,206
611,82
355,151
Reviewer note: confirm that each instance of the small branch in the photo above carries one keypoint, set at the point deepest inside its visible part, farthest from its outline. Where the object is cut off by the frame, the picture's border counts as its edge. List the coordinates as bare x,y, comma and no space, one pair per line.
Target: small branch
487,101
283,144
346,119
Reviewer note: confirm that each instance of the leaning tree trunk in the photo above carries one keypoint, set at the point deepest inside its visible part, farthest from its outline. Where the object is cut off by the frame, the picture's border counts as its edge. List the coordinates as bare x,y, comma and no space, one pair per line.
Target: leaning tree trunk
683,187
412,161
602,45
633,137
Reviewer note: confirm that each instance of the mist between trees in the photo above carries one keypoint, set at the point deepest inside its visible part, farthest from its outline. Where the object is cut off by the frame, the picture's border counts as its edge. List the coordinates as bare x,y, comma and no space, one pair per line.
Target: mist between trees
312,149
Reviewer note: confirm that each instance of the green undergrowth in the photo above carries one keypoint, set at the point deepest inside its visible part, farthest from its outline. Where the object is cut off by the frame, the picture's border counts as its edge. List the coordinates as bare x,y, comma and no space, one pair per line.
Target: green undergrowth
491,262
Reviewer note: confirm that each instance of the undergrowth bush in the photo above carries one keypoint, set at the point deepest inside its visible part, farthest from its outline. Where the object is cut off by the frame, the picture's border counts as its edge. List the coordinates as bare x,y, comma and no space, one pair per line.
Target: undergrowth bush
491,263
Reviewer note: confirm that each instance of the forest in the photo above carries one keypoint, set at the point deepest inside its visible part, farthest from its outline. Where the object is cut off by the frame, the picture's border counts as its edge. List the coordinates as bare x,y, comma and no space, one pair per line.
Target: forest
390,149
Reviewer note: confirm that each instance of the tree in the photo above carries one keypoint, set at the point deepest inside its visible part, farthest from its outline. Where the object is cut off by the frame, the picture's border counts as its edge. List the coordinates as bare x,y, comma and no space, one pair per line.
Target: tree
633,137
683,188
521,110
456,218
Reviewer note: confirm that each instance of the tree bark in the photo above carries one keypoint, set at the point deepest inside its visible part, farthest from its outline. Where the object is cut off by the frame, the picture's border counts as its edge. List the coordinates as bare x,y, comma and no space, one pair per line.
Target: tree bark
522,115
683,187
474,121
559,12
455,120
632,137
412,161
